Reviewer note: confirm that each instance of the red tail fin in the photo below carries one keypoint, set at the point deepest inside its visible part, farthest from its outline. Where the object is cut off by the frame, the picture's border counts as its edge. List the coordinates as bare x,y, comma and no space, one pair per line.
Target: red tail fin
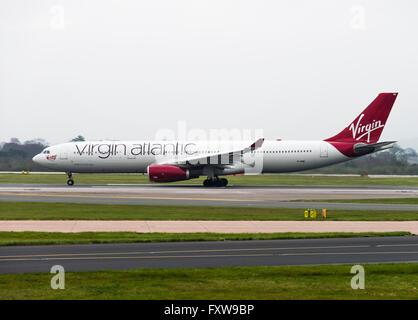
368,126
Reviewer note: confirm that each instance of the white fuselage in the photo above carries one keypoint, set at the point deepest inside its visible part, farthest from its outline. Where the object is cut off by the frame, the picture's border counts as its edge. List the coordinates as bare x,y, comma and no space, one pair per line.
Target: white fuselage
136,156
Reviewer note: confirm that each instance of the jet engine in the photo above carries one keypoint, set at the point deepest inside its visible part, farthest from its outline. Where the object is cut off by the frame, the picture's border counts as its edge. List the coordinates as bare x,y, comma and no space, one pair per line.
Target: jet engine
166,173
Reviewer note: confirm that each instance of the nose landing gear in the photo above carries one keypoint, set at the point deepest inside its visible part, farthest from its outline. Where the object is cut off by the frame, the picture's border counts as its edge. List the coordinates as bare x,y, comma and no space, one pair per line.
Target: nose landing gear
70,180
215,182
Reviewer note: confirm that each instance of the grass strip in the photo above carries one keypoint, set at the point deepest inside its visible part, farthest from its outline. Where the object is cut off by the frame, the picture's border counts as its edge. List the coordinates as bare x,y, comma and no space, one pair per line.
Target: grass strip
78,211
383,201
265,179
43,238
382,281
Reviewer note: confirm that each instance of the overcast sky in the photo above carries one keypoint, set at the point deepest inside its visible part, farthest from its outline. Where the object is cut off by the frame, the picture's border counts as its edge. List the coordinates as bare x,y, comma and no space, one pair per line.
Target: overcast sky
127,69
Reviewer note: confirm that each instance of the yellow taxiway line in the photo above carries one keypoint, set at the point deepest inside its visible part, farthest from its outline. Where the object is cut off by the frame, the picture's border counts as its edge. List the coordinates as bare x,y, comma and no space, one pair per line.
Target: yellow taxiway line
208,256
177,251
397,245
120,197
142,257
345,253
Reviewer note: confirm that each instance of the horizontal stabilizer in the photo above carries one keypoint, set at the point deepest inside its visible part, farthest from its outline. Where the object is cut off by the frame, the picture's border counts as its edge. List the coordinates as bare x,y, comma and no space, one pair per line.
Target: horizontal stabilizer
362,148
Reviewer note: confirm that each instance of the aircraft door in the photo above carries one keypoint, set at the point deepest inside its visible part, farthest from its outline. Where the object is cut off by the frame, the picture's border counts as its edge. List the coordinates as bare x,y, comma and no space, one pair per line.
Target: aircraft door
63,156
323,153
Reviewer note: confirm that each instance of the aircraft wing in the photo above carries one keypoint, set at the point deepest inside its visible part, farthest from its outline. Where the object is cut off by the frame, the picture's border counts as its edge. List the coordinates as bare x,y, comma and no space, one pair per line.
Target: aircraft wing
221,159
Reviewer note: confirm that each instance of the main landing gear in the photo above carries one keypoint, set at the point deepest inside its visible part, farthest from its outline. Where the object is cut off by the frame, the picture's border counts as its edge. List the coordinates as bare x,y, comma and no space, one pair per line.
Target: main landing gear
70,180
215,182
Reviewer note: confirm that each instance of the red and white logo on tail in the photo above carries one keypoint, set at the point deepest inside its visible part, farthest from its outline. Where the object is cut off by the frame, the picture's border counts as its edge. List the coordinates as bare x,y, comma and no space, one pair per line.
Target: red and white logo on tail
368,126
360,130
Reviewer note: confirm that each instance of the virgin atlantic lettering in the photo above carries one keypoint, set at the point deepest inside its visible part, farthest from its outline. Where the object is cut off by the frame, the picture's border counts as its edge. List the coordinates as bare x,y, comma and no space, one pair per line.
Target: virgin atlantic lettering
106,150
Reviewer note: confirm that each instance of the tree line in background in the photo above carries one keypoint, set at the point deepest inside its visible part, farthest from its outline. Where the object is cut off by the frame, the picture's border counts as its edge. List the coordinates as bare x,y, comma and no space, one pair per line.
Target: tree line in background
17,156
392,161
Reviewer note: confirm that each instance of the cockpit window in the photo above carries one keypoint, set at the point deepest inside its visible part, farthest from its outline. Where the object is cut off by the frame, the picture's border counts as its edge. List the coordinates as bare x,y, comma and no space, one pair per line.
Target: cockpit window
46,152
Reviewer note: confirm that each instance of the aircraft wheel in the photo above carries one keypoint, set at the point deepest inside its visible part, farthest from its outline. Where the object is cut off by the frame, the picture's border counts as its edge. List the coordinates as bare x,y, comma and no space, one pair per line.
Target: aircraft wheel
209,183
224,182
215,182
218,183
70,182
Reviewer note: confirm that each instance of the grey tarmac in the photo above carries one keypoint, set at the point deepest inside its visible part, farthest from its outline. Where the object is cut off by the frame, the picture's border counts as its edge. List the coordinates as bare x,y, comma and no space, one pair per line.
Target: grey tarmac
21,259
243,196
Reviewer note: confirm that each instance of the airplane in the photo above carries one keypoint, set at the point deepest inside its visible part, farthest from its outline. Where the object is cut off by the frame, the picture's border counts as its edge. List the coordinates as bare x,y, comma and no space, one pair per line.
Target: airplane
169,161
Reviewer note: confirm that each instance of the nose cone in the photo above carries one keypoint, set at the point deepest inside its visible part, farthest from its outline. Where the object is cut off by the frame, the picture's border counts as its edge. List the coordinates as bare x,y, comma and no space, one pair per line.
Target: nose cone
37,158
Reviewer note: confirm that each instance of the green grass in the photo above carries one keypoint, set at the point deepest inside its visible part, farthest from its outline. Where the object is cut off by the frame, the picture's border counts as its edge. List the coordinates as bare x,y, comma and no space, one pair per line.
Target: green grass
382,281
78,211
41,238
385,200
285,180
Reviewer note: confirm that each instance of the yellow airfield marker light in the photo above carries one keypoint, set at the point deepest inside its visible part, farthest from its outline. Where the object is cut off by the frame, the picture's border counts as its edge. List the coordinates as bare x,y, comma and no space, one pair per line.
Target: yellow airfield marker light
313,214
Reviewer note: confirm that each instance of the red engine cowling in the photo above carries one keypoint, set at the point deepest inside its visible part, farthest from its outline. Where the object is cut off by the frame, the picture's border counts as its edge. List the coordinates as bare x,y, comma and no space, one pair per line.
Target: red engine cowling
163,173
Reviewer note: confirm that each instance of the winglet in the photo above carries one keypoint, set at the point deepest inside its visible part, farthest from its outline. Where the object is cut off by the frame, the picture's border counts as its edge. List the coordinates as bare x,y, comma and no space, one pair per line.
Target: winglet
257,144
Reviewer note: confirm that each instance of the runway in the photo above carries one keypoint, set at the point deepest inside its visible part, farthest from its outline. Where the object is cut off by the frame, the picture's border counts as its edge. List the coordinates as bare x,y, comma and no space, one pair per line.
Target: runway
209,254
245,196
